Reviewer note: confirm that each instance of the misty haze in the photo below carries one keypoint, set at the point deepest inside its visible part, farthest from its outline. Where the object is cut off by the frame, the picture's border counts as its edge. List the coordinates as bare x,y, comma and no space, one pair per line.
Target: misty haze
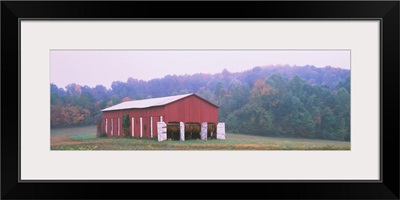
268,100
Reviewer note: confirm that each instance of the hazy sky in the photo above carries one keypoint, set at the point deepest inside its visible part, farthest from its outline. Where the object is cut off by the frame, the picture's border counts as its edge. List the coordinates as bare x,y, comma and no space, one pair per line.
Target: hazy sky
91,67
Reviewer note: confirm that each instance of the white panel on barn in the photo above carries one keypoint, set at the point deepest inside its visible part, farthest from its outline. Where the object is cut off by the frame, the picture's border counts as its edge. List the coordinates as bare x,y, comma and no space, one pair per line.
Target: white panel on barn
151,127
141,127
112,127
182,128
106,125
221,131
161,131
133,127
118,126
203,133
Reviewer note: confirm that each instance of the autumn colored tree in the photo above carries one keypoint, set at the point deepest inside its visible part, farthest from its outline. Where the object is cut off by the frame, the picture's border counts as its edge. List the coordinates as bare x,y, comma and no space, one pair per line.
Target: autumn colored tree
126,99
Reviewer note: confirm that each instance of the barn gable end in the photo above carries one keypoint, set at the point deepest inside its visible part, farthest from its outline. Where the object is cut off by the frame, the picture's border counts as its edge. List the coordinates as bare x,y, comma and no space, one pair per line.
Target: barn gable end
192,109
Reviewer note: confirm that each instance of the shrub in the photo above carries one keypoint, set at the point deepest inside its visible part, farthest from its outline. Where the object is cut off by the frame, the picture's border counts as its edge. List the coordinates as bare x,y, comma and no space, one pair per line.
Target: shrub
125,125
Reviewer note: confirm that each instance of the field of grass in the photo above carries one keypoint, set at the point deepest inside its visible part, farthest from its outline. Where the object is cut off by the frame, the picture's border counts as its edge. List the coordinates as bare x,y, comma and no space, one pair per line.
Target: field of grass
84,138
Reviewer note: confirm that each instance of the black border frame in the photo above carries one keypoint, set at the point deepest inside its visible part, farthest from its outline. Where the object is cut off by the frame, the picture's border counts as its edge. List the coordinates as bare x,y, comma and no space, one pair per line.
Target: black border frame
386,11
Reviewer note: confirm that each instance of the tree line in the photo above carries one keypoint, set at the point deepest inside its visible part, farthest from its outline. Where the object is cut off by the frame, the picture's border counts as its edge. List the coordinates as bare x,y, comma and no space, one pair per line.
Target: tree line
280,101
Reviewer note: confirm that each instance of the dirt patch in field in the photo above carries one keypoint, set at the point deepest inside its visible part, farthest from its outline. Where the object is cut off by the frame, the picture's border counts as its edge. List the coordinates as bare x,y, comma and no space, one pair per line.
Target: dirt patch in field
66,140
255,147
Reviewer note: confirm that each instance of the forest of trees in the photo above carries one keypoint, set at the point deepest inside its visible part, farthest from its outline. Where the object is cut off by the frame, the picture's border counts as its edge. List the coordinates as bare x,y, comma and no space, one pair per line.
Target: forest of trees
279,101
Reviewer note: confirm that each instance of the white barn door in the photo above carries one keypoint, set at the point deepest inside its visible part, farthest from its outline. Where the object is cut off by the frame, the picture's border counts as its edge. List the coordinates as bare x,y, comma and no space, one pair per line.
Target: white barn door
203,133
221,131
182,129
161,131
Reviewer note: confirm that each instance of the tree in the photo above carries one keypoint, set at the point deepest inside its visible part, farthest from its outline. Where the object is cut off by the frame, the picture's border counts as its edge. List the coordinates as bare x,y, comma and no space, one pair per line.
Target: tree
345,84
260,91
251,119
126,99
328,124
73,89
56,95
99,92
219,91
126,123
237,97
342,111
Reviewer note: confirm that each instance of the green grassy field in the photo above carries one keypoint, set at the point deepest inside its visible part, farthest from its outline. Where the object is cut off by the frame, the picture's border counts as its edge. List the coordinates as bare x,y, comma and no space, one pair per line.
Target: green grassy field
84,138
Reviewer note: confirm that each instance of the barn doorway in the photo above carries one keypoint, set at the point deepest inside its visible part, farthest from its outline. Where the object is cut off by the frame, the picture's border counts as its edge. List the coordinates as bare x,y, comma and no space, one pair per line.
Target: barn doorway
173,130
211,131
192,130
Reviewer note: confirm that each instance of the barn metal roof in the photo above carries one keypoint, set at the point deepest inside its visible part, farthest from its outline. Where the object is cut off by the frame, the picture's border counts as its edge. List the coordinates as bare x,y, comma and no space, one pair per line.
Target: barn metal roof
147,103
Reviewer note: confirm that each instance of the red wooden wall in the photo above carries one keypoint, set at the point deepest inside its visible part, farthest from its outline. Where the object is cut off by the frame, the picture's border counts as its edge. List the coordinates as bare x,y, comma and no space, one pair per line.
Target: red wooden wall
136,114
191,109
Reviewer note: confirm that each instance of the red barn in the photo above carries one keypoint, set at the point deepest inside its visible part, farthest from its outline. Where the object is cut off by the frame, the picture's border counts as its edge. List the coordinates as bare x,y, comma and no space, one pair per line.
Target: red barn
144,114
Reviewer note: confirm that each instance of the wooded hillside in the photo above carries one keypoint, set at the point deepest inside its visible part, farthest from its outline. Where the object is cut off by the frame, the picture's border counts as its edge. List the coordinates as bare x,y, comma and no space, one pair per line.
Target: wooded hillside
284,101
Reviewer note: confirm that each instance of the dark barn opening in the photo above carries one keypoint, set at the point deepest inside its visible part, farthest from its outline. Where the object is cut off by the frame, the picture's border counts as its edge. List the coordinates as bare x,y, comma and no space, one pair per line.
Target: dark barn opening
192,130
173,130
211,131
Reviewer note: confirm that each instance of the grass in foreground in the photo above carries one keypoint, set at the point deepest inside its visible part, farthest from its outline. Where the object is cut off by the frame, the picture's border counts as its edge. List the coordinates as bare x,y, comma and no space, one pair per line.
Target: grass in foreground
84,138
